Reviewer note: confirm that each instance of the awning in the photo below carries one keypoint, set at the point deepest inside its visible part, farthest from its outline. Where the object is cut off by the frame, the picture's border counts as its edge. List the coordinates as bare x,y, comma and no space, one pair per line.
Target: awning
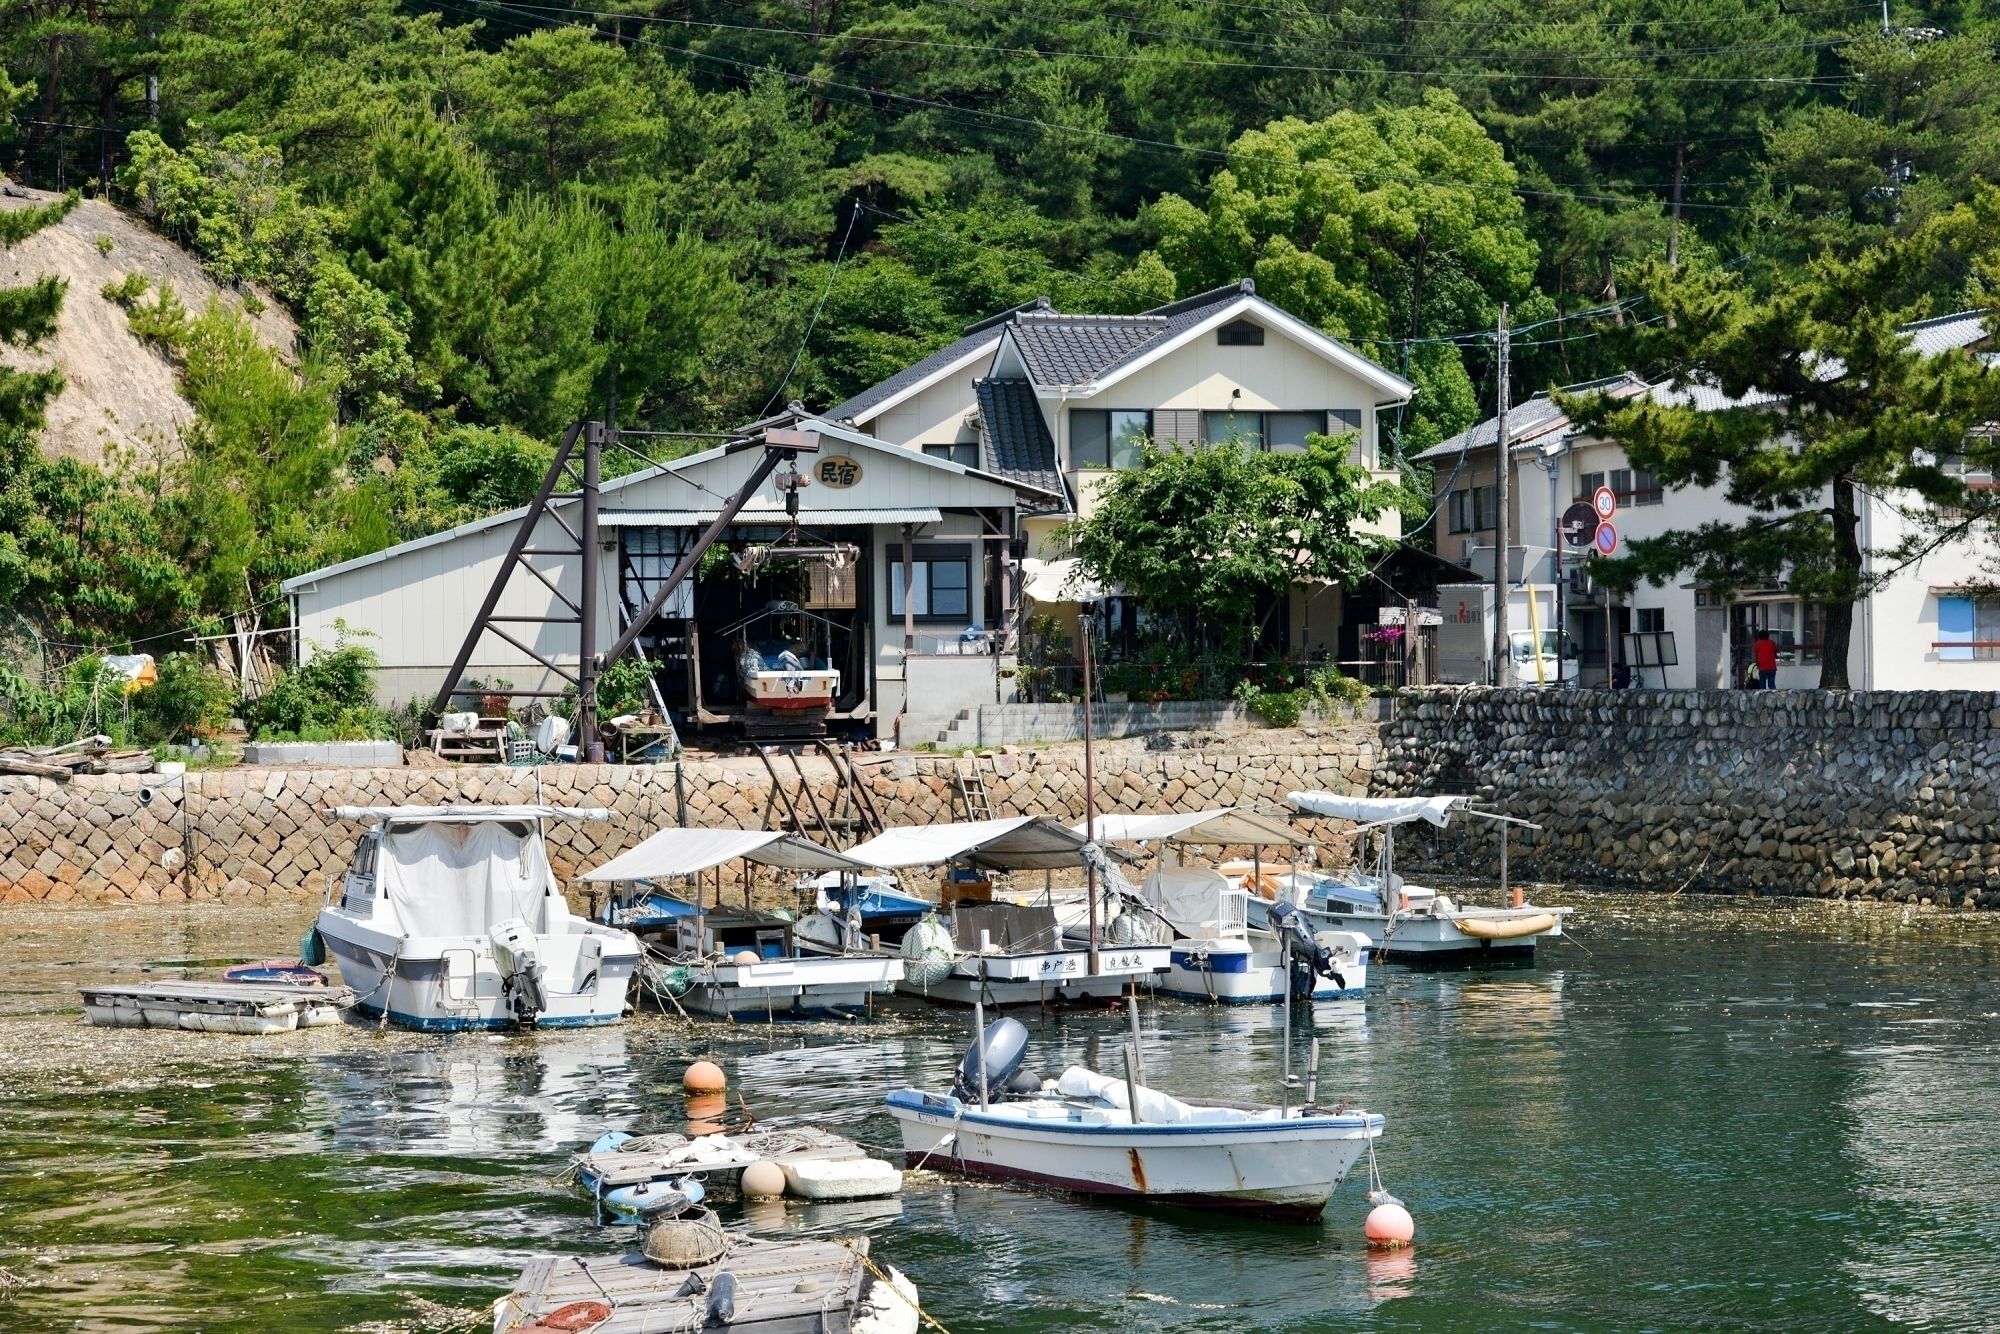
761,517
1226,826
1060,581
1019,843
686,851
1378,810
468,814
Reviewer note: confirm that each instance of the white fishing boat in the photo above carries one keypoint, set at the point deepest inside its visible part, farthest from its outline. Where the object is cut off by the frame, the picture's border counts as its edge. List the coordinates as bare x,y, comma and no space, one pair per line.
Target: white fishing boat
1094,1134
733,963
1408,923
449,918
1217,954
1002,953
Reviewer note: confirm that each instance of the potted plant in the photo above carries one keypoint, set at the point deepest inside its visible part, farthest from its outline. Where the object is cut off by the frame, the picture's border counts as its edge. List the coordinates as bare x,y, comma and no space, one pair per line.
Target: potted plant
494,705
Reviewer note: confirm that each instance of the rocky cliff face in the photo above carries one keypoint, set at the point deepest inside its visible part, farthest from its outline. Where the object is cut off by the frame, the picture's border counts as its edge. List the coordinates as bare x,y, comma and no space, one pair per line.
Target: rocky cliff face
120,394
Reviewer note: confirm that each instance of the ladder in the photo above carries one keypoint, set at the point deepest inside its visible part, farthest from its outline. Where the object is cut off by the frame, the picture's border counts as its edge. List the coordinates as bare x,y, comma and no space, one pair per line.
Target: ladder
848,812
973,799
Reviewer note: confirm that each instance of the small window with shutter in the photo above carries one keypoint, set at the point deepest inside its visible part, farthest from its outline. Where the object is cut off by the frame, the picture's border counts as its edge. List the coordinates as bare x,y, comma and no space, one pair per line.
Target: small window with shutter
1240,333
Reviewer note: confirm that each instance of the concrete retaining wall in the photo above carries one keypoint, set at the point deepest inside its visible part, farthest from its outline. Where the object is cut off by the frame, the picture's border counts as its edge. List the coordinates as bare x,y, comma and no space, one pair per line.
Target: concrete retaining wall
256,834
1879,795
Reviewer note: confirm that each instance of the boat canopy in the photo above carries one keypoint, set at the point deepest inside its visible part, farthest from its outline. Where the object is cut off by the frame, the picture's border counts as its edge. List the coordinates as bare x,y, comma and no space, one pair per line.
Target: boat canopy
451,877
1229,825
1381,810
466,814
1197,902
1018,843
673,852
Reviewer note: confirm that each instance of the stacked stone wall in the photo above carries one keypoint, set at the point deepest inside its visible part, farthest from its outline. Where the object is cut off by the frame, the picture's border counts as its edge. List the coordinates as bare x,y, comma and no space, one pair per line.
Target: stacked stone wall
1887,795
271,834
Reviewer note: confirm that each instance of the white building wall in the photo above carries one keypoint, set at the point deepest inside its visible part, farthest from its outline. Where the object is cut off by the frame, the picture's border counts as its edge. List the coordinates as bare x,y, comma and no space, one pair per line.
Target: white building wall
936,414
1898,631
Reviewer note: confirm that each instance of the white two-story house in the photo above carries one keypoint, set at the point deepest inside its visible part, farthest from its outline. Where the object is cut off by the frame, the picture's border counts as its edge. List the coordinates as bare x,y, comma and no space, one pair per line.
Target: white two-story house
1925,626
1063,401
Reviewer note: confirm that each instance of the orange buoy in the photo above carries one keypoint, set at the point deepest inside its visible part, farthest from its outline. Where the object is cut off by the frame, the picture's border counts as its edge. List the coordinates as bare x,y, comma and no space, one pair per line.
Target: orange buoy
704,1077
744,958
1389,1226
705,1112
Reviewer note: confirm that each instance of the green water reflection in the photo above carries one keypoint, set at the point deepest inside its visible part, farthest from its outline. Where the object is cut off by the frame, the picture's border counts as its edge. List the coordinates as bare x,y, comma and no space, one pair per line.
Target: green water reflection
1725,1115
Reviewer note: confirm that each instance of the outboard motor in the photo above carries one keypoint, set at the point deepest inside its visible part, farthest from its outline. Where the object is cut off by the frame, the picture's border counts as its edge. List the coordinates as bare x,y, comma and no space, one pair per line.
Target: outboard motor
1306,959
520,969
1006,1044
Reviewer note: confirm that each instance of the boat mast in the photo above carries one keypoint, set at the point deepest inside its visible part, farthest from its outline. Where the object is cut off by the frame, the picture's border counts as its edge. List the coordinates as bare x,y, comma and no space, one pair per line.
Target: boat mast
1089,791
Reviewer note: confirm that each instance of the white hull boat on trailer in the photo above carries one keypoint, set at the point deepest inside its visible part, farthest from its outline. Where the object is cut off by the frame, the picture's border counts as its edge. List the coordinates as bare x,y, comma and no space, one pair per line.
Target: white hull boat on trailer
1408,923
739,964
449,918
1079,1133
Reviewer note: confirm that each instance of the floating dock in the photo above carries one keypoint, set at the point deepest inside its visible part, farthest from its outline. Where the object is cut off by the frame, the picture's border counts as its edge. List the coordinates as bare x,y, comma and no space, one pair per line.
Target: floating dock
775,1287
214,1007
717,1159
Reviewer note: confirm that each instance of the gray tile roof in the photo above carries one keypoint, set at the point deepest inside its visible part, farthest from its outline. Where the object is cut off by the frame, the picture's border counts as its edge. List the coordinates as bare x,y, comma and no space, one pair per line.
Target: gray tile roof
1944,332
1017,443
1527,420
1075,349
916,373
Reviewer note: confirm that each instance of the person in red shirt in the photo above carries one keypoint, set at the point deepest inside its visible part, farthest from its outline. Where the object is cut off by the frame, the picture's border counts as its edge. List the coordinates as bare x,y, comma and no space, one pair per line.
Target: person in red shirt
1765,651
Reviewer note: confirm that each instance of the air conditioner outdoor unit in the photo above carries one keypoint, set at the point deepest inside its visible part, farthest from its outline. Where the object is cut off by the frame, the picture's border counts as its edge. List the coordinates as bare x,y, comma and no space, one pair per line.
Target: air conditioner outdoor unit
1466,548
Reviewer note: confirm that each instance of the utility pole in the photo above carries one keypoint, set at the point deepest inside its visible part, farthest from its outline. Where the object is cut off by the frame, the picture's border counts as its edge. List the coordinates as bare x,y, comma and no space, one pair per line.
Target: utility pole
589,748
1503,647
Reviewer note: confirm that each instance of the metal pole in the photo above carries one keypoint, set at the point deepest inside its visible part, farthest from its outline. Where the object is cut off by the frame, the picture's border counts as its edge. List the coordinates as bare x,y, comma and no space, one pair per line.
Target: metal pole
1132,1013
1312,1074
979,1047
1505,835
588,747
1503,654
909,608
1285,1000
1089,790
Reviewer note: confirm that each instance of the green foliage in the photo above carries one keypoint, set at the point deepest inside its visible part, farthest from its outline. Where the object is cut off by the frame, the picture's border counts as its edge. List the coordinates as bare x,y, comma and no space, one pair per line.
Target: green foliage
188,701
1207,538
84,699
330,697
622,688
1280,708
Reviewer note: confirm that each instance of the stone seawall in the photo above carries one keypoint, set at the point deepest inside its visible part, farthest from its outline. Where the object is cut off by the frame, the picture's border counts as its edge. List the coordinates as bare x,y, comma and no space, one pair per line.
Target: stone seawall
1888,795
270,833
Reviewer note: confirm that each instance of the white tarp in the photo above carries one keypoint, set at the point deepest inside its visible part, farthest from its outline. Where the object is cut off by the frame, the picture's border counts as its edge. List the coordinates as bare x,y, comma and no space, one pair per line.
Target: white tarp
1198,902
404,814
1018,843
1228,825
673,852
461,877
1378,810
1059,581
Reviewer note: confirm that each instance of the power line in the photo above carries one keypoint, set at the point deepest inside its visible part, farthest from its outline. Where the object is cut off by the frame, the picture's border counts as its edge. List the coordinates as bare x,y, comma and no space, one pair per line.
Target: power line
853,217
869,96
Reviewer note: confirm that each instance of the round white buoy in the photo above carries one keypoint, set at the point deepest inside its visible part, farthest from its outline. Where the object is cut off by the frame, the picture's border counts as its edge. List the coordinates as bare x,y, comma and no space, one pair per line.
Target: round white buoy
1389,1226
763,1180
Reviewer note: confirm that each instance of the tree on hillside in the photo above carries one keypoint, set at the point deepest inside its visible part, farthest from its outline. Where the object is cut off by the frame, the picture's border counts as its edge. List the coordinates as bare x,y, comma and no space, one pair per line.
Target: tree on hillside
1826,400
1391,224
1208,539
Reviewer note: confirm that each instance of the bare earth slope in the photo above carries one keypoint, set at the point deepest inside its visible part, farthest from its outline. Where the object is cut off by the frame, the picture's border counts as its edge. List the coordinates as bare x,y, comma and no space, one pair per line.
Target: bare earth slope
120,393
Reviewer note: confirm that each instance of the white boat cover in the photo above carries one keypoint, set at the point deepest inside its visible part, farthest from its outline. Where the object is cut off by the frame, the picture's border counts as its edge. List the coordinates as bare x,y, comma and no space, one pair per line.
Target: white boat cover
1230,825
1378,810
1018,843
673,852
410,814
460,878
1059,581
1198,902
1155,1107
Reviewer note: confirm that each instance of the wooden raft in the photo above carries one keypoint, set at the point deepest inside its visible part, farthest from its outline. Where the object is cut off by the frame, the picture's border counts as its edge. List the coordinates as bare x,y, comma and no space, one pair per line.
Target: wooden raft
663,1157
782,1287
214,1007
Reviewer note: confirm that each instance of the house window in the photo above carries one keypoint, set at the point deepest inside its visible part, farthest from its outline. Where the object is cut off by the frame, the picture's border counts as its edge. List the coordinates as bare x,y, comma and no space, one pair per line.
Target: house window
1286,432
941,582
1245,428
1968,628
1240,333
1342,420
1649,620
1470,508
1632,486
966,455
1107,439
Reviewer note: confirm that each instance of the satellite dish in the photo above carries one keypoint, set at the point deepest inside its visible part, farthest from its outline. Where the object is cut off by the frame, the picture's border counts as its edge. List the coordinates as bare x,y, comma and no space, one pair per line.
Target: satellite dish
551,733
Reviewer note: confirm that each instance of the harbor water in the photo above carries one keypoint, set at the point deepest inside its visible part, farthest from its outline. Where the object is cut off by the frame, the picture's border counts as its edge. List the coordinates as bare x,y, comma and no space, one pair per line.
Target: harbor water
1699,1114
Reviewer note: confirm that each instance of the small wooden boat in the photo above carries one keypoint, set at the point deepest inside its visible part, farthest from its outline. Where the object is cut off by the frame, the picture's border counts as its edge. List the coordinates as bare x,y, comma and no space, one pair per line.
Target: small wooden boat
757,1287
275,973
617,1159
214,1007
1095,1135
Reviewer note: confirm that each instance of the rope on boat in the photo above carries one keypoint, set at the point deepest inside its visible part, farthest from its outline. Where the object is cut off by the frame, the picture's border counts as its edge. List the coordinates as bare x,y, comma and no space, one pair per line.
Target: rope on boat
889,1283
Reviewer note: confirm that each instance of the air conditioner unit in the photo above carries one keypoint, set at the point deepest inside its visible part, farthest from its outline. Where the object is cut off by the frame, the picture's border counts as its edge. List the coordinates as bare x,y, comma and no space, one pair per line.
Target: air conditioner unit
1466,548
